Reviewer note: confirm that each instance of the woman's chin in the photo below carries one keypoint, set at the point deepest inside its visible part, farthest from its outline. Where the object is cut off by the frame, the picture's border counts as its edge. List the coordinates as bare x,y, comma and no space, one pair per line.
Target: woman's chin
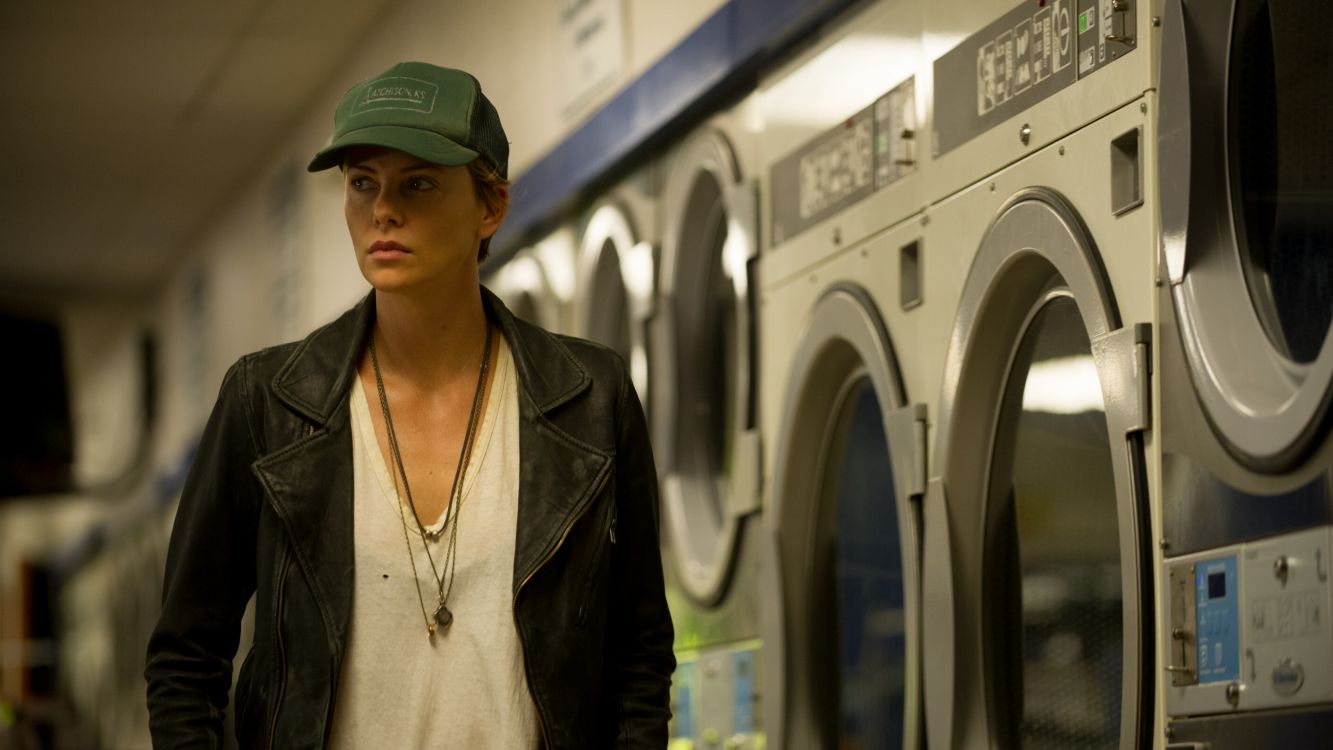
407,284
390,280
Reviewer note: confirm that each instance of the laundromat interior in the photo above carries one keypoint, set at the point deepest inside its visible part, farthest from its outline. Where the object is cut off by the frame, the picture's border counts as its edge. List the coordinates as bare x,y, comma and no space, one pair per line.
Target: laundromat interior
984,346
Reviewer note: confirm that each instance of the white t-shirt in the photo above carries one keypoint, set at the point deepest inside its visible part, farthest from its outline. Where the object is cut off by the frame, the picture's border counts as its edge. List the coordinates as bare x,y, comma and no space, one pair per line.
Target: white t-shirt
467,688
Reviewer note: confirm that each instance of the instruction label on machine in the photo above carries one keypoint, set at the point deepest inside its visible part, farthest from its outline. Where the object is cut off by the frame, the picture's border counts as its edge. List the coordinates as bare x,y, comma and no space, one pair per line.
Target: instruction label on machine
1027,55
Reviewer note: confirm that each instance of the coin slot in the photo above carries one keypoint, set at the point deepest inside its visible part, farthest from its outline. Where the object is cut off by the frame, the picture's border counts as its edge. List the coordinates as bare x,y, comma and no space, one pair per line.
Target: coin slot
1126,172
909,276
1182,663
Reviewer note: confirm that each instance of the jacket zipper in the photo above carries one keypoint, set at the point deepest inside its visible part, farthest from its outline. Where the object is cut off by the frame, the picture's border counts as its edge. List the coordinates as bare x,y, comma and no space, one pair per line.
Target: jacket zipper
564,534
597,566
282,648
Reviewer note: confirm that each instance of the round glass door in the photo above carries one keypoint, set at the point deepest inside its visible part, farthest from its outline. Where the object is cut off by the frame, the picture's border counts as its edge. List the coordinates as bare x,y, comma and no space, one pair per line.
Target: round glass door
1052,577
523,285
866,643
1036,588
1282,176
847,539
615,282
702,400
608,320
1246,183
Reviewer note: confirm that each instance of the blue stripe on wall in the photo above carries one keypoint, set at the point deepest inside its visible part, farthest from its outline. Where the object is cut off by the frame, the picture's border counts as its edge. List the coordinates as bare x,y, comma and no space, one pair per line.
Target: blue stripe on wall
713,62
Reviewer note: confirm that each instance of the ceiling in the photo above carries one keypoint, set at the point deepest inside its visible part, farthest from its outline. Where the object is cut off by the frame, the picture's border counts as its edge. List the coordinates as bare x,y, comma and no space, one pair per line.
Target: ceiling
127,124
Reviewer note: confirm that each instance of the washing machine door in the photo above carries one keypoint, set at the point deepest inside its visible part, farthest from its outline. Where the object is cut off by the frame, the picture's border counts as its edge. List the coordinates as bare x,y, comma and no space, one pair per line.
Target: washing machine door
703,398
1036,562
615,289
1247,217
844,670
525,287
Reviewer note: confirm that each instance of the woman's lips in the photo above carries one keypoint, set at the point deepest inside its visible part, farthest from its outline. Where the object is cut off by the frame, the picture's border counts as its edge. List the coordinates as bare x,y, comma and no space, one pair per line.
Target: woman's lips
385,249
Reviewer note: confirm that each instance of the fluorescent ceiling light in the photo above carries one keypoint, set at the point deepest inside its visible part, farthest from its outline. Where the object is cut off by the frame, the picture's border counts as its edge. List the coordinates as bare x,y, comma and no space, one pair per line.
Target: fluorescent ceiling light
1067,385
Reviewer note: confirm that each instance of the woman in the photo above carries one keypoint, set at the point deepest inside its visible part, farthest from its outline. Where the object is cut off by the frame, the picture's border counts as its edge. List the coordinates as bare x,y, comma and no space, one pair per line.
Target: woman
447,516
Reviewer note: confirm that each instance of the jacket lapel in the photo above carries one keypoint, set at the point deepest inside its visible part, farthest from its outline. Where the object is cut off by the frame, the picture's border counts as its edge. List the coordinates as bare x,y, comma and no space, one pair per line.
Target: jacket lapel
558,481
559,476
309,482
314,380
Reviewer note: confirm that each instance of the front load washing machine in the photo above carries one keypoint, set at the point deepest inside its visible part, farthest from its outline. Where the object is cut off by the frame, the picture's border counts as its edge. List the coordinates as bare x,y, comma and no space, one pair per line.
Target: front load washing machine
1247,373
844,415
705,431
1038,569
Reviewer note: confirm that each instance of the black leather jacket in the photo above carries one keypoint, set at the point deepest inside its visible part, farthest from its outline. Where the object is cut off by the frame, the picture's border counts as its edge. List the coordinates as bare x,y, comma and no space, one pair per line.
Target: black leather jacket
267,509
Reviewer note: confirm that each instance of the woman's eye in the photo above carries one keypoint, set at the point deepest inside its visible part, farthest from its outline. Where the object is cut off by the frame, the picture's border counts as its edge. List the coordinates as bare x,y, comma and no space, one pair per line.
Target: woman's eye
360,183
419,184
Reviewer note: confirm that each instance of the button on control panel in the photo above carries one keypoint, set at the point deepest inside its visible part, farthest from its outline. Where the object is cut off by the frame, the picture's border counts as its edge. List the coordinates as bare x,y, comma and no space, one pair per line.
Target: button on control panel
1288,677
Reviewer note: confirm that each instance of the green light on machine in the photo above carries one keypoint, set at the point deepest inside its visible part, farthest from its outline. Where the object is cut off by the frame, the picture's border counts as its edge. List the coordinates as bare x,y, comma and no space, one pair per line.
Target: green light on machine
1085,20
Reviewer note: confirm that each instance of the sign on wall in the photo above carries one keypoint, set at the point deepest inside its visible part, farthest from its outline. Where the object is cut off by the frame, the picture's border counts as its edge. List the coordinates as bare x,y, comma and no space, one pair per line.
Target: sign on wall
590,48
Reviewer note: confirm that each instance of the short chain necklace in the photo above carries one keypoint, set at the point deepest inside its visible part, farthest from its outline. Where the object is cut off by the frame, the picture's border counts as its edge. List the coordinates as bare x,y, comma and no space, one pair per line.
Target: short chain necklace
442,617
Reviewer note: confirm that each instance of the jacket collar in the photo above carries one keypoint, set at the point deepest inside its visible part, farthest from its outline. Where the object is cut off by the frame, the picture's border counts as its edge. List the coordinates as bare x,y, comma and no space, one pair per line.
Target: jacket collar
316,377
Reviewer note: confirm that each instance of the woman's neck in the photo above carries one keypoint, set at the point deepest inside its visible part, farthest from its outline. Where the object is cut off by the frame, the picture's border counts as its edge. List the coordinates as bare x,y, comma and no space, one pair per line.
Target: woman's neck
430,340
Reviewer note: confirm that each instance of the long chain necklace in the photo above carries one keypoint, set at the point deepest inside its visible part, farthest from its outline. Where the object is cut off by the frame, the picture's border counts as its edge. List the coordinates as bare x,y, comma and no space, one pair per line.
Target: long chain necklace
443,617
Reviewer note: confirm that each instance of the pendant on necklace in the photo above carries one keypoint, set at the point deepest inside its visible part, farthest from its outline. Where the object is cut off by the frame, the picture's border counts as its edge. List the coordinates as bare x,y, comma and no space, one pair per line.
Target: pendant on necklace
443,617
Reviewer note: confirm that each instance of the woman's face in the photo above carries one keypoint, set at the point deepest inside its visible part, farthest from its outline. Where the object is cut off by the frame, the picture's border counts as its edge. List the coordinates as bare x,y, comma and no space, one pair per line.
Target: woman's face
414,224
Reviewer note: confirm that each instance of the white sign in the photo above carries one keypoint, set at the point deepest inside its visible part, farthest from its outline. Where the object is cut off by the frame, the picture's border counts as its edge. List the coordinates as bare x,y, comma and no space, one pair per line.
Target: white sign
590,47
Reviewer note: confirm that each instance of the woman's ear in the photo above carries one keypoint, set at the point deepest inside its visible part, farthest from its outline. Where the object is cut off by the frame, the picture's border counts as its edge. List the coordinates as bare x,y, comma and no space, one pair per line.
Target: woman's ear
494,212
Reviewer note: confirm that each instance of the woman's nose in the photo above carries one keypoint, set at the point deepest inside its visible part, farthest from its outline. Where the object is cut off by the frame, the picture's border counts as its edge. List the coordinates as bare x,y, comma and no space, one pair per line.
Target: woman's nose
385,210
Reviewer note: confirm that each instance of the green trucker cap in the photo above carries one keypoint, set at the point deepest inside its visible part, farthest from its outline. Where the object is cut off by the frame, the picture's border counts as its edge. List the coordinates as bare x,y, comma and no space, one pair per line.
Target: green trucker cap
433,113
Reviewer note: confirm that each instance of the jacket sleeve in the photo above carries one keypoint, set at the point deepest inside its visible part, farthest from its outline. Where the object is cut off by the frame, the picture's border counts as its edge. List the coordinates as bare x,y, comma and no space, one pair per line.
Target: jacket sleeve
640,618
209,578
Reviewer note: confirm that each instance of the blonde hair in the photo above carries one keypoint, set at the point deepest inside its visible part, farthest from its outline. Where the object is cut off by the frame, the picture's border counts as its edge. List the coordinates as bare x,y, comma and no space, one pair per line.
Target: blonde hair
493,191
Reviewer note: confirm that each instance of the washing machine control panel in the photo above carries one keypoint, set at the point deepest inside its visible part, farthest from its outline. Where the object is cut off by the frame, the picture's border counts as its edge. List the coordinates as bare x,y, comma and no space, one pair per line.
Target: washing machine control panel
1023,57
1248,626
871,150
